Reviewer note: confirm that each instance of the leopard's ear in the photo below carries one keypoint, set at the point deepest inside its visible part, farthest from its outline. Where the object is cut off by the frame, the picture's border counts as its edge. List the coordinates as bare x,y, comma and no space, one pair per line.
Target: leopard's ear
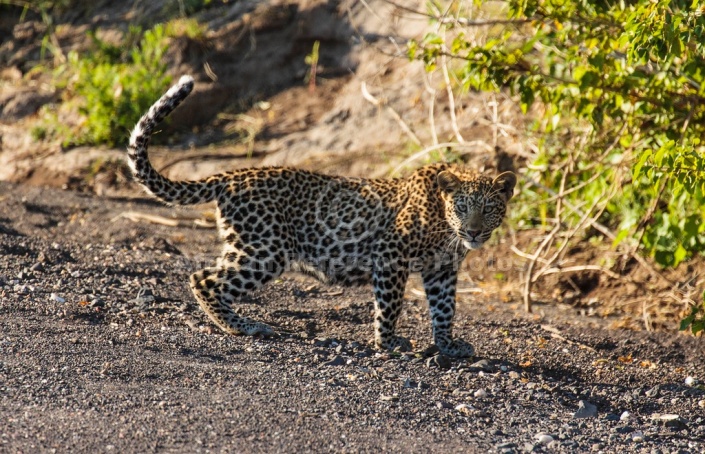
448,182
505,183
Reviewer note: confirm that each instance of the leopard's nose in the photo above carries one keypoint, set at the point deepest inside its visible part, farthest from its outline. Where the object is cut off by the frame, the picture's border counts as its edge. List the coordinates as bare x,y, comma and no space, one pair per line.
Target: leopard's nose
474,233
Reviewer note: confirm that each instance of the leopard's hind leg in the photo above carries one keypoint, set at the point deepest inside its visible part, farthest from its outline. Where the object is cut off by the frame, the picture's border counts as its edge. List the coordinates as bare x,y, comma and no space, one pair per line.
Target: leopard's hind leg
218,289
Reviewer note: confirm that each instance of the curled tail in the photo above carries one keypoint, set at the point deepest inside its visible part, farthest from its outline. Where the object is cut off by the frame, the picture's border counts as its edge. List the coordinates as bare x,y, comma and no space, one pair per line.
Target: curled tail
177,192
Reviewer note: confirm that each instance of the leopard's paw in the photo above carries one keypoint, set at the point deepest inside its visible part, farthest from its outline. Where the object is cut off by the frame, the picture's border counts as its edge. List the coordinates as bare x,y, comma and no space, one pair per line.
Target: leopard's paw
396,343
249,327
456,348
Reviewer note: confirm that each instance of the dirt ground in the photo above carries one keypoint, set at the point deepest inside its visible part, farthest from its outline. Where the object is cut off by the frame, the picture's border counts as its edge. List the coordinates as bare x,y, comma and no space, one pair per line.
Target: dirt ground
102,347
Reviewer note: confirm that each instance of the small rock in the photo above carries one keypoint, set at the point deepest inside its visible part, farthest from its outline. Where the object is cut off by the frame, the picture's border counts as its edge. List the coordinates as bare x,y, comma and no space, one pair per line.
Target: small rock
514,375
480,393
144,296
690,381
653,392
638,436
336,361
701,403
464,409
443,404
392,398
529,447
440,361
57,298
477,366
37,267
585,410
625,430
626,416
670,420
543,438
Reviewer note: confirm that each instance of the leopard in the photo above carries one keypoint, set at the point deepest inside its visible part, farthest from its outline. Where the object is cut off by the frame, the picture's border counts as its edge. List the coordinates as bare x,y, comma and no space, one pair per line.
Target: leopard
341,230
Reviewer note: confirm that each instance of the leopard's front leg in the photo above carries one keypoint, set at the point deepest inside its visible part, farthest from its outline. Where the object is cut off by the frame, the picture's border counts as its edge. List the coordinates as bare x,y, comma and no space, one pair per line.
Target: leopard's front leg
439,284
389,276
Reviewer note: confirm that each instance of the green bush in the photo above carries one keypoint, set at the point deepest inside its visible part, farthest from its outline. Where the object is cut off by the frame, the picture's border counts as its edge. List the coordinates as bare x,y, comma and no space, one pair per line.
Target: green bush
621,91
111,87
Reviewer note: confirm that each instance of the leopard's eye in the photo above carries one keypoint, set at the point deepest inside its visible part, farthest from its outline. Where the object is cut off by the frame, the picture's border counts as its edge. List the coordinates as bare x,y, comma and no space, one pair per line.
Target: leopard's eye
488,208
461,207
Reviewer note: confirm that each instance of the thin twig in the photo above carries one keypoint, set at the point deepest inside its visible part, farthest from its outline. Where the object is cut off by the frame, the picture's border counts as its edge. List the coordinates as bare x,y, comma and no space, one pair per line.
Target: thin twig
431,107
136,216
546,241
608,233
451,97
574,269
377,103
460,21
557,334
440,146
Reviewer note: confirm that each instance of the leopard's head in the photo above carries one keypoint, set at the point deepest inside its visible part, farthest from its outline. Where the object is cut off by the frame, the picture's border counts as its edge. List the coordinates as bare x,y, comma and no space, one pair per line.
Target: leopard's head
475,204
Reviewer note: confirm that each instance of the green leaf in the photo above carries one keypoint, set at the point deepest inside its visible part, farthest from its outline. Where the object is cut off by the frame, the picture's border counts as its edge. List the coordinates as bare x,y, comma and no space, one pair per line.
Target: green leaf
640,163
679,255
686,322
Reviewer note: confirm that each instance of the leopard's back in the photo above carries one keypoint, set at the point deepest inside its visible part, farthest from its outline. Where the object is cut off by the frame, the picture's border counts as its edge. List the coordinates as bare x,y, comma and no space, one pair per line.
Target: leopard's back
327,225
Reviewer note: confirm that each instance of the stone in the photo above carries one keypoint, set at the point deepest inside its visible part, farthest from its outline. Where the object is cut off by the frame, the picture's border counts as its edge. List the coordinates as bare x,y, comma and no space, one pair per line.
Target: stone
440,361
585,410
336,361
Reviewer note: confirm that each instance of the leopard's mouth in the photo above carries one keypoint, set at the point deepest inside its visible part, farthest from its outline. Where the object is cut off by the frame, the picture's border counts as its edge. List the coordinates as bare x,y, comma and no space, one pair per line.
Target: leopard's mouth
473,239
472,244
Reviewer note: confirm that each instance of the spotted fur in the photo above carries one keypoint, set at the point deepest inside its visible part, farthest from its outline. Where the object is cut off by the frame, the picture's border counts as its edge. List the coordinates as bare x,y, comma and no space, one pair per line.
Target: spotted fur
341,230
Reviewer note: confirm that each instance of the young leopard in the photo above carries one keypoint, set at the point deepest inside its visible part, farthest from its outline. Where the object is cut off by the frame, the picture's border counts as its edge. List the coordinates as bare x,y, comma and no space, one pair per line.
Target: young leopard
341,230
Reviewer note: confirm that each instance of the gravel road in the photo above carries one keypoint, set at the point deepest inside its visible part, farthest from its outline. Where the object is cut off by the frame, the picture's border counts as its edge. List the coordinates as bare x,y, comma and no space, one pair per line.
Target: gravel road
102,348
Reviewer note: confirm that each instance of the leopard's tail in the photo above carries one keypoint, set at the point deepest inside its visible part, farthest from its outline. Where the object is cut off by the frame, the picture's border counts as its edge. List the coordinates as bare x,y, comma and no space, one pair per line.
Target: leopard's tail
170,191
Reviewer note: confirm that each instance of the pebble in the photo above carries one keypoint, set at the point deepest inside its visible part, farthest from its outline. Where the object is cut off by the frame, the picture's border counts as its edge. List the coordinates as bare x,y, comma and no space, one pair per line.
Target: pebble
480,393
144,296
443,404
514,375
653,392
440,361
625,416
670,420
585,410
701,403
386,398
689,381
57,298
543,438
638,436
482,365
336,361
464,408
